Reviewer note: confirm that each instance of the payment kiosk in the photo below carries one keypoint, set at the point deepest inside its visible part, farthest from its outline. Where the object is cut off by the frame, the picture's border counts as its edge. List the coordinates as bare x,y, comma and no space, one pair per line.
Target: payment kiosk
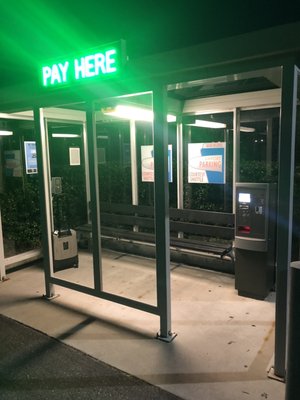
255,225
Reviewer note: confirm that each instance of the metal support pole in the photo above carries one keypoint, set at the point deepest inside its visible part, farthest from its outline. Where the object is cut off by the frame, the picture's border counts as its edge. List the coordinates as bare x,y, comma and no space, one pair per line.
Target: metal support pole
293,349
2,265
269,146
285,210
236,155
161,201
180,169
188,189
87,172
134,180
179,165
44,191
94,193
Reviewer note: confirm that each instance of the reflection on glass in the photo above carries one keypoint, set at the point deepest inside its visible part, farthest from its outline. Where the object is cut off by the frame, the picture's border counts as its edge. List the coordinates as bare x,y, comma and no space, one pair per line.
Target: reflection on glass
71,226
113,158
259,132
296,205
207,161
126,190
19,197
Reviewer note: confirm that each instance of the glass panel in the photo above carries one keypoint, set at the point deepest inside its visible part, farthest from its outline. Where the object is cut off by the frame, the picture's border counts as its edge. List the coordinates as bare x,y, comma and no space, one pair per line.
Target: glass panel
145,165
126,191
19,197
296,215
208,146
259,132
113,156
69,197
205,107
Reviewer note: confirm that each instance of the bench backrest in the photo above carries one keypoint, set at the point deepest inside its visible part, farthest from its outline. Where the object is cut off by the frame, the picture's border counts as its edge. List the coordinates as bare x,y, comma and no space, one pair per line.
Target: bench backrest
194,222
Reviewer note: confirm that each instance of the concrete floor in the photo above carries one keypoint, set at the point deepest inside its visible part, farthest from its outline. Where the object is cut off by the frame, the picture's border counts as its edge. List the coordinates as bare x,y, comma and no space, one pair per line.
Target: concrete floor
224,346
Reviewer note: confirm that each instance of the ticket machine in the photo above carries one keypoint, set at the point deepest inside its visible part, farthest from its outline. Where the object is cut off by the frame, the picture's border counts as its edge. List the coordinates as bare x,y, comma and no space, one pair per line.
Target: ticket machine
255,225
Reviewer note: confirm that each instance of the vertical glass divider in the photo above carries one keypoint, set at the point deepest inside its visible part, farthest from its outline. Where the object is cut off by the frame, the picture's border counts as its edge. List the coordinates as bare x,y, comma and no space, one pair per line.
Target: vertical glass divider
179,137
236,155
179,165
87,174
134,179
269,146
2,265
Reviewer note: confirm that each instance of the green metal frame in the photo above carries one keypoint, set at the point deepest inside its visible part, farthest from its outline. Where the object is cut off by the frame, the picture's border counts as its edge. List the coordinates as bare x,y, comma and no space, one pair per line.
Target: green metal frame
162,220
285,210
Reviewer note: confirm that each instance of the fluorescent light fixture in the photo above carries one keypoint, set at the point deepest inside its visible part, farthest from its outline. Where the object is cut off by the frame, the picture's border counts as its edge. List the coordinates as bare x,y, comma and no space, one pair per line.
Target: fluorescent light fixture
208,124
247,129
130,112
171,118
65,135
6,133
124,96
133,113
102,137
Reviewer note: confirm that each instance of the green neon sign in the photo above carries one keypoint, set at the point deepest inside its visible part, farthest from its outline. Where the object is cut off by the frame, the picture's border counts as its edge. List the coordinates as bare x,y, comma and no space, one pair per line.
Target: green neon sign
101,63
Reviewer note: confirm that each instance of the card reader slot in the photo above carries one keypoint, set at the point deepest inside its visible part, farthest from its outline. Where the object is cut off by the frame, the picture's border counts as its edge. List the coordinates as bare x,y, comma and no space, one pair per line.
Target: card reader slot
246,229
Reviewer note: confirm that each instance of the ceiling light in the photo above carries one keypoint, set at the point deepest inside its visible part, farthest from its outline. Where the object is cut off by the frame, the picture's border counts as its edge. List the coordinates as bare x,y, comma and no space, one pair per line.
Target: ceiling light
130,112
65,135
171,118
247,129
208,124
133,113
6,133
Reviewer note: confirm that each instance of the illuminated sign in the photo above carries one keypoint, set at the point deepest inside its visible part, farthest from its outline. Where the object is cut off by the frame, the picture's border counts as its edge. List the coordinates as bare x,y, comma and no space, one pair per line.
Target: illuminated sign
244,198
101,63
30,157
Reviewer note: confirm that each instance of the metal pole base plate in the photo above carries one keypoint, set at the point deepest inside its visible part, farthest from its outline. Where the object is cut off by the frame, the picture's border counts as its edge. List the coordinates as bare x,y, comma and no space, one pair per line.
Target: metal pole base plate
271,375
51,297
171,336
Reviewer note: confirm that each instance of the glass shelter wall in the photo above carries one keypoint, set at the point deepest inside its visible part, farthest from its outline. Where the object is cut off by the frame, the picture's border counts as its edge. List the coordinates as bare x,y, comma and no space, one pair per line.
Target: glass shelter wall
69,201
125,160
207,160
259,135
214,144
296,208
118,149
234,118
19,195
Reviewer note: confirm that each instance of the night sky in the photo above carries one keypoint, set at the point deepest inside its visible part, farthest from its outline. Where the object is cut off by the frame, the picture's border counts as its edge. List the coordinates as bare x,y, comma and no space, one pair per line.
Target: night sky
37,30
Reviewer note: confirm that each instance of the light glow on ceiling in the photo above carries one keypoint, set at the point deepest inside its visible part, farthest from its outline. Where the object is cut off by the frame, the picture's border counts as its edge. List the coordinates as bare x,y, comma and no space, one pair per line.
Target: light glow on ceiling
134,113
247,129
65,135
208,124
6,133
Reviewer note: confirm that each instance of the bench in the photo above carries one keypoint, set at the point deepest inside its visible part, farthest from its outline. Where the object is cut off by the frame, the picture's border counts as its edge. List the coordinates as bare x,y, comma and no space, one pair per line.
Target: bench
194,234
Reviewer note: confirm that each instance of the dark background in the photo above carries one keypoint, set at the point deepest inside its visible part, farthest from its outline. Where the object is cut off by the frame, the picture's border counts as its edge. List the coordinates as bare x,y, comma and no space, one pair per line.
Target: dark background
32,31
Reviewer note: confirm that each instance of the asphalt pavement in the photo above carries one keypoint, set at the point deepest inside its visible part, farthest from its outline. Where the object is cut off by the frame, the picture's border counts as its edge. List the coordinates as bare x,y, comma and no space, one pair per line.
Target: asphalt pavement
36,366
